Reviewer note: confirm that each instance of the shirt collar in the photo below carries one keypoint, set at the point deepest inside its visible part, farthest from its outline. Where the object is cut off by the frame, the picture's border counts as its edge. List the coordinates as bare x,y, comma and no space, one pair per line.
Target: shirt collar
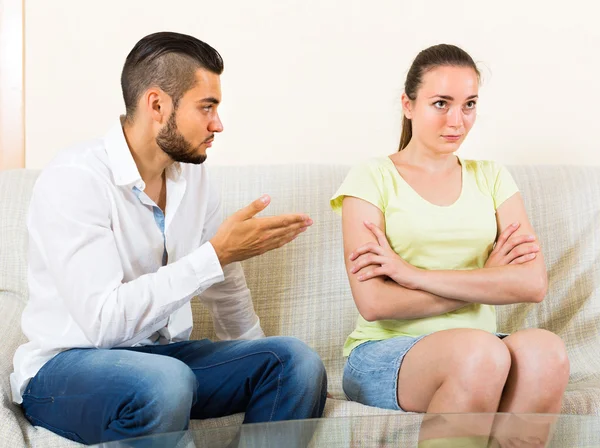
174,171
121,161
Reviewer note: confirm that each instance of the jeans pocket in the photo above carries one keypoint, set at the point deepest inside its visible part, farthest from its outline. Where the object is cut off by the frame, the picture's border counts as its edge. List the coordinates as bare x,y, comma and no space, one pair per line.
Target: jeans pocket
37,405
66,434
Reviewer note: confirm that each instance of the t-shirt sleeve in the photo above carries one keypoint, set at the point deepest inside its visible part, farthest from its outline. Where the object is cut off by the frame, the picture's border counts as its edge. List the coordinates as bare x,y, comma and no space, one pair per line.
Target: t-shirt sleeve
364,182
503,187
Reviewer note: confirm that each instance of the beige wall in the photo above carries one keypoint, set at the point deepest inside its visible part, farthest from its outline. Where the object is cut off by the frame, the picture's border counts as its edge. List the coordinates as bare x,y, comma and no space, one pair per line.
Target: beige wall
320,80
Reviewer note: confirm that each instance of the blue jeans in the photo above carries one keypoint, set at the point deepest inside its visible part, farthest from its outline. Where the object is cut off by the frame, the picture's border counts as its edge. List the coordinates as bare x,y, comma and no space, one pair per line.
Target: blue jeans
99,395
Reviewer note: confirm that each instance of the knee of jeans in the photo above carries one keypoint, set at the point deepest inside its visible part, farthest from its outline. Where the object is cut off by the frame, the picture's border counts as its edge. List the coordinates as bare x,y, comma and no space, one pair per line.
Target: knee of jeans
172,387
304,363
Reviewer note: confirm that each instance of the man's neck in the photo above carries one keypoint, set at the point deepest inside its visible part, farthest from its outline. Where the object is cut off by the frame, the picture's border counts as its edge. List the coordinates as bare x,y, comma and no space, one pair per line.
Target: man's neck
150,160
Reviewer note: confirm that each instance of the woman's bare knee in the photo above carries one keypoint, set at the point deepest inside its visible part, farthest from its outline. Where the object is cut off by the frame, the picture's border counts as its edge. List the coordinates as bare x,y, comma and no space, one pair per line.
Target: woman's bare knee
481,372
542,349
459,370
539,373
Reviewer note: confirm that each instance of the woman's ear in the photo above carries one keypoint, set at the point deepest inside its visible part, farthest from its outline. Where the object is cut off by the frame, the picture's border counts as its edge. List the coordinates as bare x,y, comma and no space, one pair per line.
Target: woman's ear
406,106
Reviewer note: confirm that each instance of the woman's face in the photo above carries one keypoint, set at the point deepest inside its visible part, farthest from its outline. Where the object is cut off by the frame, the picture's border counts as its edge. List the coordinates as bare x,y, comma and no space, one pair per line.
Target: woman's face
445,108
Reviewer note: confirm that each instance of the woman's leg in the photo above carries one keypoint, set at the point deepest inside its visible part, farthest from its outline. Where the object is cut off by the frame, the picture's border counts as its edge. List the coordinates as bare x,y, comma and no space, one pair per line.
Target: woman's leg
538,375
536,383
457,377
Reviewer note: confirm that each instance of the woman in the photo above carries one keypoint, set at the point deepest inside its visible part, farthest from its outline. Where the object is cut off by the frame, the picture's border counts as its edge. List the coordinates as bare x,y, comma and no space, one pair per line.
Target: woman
426,267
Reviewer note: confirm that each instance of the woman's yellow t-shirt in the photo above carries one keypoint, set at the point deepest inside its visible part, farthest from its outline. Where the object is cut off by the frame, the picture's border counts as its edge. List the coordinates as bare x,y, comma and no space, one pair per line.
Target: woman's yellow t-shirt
428,236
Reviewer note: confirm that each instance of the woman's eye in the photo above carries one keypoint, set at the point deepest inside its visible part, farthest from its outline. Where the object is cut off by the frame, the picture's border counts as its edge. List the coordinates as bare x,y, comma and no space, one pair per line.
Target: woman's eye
440,104
471,105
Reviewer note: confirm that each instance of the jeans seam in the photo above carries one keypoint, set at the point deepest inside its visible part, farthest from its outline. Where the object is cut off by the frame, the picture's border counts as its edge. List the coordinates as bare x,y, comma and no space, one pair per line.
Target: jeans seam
238,358
35,398
353,367
278,390
366,372
246,356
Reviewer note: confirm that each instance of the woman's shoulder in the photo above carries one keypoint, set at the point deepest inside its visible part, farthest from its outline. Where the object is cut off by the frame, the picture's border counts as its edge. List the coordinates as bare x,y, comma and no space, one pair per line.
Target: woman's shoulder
365,180
488,169
480,165
375,163
375,168
491,178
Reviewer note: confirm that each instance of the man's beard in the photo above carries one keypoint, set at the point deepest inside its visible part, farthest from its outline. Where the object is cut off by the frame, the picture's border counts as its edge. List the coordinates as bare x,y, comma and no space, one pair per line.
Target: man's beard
170,140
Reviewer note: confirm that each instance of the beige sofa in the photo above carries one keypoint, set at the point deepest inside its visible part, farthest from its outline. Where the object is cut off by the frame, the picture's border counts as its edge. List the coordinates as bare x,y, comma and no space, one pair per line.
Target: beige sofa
302,290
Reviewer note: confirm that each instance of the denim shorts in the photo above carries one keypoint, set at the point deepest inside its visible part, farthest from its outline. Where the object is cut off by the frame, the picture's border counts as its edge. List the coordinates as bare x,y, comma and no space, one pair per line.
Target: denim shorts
371,372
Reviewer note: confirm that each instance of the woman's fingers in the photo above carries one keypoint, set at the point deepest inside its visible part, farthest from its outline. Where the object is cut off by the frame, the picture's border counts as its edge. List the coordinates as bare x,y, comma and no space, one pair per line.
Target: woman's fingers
517,243
367,248
377,272
379,234
367,260
523,259
505,235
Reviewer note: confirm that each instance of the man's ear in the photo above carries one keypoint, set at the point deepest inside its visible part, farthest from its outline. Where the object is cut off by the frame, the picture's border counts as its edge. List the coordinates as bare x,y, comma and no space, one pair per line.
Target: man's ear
406,106
157,104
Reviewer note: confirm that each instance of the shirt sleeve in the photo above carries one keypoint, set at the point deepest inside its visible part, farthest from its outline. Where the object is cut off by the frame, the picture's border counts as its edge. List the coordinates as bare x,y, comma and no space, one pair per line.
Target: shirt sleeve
229,301
503,186
364,182
70,225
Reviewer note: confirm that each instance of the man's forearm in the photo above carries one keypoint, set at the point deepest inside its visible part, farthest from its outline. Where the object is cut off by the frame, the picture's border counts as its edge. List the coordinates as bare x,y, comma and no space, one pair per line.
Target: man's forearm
231,307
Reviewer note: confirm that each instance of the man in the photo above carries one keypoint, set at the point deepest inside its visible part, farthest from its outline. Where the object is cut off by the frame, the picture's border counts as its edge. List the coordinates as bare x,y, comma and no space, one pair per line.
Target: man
124,231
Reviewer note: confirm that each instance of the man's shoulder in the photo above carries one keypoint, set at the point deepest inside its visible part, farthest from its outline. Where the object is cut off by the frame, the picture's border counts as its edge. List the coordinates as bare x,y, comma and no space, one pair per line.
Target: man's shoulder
82,165
89,156
86,154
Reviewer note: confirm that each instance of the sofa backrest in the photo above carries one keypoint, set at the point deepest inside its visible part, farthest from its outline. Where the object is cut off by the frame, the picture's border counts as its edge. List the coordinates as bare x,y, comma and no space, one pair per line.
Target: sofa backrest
15,191
301,289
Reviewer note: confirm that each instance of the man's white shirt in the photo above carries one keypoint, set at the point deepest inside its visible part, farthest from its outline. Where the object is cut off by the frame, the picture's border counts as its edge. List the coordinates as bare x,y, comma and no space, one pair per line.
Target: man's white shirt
97,248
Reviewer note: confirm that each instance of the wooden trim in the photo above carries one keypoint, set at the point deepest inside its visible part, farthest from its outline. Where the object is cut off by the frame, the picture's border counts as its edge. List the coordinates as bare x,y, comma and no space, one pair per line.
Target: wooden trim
12,84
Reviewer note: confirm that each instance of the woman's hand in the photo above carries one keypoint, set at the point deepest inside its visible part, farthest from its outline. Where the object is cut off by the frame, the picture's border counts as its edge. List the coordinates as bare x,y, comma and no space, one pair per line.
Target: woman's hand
381,261
512,249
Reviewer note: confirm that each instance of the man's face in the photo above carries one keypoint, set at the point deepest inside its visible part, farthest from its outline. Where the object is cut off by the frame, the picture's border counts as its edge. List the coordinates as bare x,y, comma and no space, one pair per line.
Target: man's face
191,127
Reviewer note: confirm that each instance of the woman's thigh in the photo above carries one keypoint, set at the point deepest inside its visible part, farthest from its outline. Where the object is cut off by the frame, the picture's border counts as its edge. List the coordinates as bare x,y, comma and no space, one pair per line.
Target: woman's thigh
472,358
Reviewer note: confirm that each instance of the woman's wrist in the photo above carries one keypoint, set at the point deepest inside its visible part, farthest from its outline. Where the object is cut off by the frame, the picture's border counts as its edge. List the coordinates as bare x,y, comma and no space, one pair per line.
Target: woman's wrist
415,279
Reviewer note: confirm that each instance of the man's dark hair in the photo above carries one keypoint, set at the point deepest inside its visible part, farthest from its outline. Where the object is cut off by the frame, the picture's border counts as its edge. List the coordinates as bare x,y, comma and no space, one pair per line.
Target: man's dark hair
166,60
